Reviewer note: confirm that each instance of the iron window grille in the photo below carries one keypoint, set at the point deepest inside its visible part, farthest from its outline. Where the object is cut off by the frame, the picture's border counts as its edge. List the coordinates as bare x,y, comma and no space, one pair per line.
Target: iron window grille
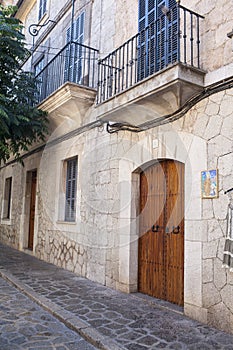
71,189
7,198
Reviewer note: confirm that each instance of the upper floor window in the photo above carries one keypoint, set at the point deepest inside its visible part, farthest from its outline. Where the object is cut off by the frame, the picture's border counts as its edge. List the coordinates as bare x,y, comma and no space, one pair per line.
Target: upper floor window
158,39
42,8
7,198
75,53
78,30
39,65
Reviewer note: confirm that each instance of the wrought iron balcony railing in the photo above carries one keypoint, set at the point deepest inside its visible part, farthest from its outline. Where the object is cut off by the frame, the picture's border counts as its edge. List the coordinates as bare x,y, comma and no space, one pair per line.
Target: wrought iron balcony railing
173,37
75,63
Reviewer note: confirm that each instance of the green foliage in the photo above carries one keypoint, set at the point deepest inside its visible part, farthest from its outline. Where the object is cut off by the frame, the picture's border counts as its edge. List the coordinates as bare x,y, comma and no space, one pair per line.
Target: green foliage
21,123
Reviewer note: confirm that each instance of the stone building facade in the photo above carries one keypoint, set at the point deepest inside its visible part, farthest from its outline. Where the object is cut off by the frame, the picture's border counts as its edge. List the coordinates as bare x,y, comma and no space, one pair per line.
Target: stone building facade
116,118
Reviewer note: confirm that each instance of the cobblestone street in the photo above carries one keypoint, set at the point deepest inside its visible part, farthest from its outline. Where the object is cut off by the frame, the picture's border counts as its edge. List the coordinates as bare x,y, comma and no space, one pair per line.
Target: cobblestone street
25,325
109,319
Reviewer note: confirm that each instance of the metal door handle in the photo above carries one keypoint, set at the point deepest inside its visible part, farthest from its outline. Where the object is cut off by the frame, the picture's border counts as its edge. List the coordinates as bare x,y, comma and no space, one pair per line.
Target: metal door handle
175,229
155,228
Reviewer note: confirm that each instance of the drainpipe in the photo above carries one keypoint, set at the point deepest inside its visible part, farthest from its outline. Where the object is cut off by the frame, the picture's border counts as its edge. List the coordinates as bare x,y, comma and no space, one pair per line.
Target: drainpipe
72,22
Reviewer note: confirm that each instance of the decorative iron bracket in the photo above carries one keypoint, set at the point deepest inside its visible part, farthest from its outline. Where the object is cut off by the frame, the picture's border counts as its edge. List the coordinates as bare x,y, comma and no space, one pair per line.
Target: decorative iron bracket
34,29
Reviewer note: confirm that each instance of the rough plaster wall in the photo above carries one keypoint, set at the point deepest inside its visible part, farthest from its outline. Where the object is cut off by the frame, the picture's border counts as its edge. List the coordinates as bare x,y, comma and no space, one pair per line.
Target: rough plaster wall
126,20
113,23
108,29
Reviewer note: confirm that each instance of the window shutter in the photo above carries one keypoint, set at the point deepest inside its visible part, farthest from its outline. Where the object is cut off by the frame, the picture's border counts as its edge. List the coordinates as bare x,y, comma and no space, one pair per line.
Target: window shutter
67,61
80,28
71,186
173,33
74,54
79,50
158,43
42,8
41,77
68,35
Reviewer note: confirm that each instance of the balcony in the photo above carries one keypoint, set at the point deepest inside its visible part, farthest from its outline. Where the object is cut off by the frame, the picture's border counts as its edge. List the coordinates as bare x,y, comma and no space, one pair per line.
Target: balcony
67,84
154,73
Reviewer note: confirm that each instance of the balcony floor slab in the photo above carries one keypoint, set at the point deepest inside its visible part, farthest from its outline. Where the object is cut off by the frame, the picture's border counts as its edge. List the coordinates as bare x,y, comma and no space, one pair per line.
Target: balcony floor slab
159,95
67,107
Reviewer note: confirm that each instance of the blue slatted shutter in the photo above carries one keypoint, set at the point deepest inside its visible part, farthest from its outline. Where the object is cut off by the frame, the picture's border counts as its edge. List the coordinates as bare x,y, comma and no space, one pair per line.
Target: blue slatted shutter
158,38
68,56
74,53
71,189
38,67
42,8
167,34
79,50
146,37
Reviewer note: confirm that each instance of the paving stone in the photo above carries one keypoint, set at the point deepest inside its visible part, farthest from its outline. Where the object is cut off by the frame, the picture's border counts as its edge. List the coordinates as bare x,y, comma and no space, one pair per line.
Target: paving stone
148,340
176,346
135,346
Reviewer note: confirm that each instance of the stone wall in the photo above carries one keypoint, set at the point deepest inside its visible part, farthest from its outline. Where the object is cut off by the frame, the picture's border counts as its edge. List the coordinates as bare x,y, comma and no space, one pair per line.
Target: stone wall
211,121
10,228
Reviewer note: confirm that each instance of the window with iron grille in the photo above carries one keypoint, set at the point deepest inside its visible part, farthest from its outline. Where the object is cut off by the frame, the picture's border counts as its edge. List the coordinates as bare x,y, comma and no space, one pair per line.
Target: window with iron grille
158,35
42,8
71,189
7,199
74,54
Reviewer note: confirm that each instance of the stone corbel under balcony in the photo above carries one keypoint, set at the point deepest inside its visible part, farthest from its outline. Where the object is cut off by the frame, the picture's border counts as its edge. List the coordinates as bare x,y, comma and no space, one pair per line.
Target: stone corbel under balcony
67,106
161,94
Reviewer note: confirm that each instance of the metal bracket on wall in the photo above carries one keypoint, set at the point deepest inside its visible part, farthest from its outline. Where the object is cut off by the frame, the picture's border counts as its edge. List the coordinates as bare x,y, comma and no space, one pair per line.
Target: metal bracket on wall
34,29
230,189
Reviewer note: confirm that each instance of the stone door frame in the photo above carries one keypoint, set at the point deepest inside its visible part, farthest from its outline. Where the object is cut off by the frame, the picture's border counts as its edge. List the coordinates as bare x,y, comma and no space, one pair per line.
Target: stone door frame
187,150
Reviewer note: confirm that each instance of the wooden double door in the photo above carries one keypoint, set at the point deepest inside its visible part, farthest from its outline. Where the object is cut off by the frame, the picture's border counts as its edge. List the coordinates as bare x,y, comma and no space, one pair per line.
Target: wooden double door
161,241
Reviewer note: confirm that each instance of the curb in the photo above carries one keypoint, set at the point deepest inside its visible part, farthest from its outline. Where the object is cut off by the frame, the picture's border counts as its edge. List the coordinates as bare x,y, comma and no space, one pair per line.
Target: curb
73,322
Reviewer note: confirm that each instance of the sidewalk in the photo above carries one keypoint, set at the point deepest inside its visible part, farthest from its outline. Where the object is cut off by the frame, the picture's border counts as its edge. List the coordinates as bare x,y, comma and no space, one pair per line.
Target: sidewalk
108,319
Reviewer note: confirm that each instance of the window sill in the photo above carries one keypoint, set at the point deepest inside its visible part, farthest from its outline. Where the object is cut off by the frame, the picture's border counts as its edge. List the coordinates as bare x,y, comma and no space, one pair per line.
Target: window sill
60,222
5,221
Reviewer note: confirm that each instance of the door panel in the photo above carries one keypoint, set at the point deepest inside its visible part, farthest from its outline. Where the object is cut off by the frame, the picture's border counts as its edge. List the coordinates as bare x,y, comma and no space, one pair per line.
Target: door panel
161,242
